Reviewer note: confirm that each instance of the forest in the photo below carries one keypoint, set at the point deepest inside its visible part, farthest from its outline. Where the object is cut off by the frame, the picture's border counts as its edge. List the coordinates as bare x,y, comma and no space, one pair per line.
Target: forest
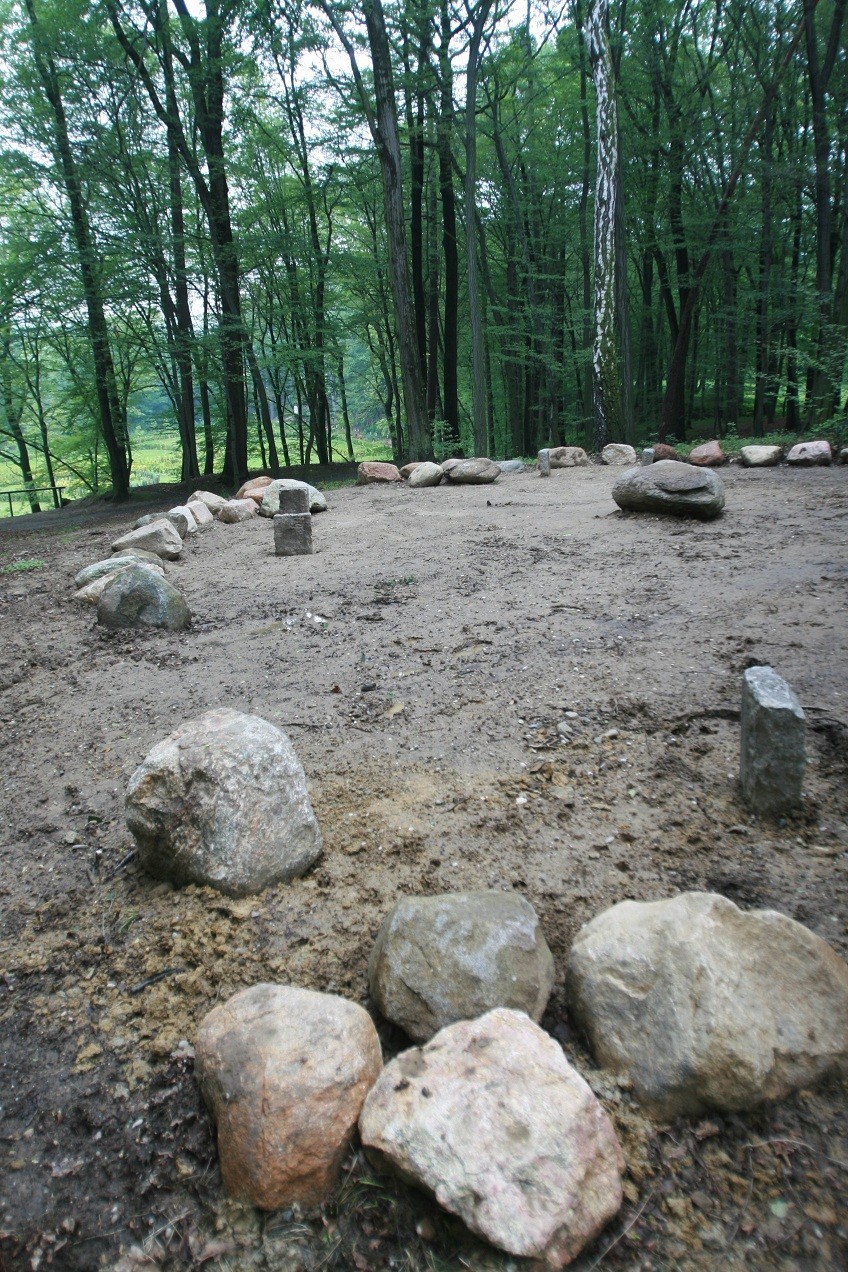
268,232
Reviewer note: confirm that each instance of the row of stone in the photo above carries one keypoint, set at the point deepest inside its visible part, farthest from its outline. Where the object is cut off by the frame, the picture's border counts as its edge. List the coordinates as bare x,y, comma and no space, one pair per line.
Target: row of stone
694,1004
756,455
130,589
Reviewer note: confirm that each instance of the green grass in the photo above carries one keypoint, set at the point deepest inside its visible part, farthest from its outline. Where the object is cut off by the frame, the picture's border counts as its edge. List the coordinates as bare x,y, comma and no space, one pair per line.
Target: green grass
22,567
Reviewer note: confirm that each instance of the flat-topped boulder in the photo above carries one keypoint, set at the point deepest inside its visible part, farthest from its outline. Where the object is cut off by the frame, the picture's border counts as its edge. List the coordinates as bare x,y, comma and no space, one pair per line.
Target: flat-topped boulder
670,487
373,472
284,1072
270,505
111,565
223,801
707,455
159,537
568,457
810,454
491,1120
137,596
473,472
705,1006
511,465
756,456
440,959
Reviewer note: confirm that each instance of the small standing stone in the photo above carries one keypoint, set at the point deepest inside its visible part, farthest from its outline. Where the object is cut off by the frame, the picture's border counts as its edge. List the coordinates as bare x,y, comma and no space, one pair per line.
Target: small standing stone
294,500
648,455
772,751
293,534
544,462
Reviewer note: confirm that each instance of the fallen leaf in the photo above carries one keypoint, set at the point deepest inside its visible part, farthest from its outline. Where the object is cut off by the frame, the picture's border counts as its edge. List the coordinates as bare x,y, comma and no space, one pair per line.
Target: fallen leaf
394,710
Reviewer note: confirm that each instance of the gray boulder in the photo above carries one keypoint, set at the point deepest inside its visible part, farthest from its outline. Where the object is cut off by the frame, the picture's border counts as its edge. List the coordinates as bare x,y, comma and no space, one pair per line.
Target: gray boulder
761,456
704,1006
453,957
491,1119
511,465
472,472
618,453
223,802
270,505
672,487
237,510
139,597
203,518
158,536
90,593
425,474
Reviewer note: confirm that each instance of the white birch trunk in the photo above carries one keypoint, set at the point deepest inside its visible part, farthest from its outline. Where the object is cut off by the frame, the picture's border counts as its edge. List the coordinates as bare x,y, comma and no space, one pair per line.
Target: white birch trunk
606,371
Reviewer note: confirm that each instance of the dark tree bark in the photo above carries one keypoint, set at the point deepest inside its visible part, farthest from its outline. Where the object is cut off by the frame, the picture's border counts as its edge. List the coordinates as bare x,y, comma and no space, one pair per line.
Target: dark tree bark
113,421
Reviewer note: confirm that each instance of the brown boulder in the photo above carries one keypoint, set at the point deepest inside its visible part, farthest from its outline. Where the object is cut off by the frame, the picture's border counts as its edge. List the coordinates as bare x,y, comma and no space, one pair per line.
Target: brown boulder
374,471
663,451
708,455
568,457
253,488
409,469
285,1072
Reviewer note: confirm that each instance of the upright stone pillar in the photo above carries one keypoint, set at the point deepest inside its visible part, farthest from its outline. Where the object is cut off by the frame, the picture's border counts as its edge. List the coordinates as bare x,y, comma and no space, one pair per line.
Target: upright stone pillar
773,752
545,462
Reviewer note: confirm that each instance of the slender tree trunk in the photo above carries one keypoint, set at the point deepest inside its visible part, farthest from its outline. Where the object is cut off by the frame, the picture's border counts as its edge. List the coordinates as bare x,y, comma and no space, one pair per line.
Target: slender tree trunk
113,420
609,410
478,336
450,391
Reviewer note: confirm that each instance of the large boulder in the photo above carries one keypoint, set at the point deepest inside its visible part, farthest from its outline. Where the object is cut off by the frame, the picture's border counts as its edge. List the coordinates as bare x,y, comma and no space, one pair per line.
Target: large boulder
203,518
236,510
761,456
139,597
472,472
810,454
183,518
453,957
223,802
209,500
373,471
618,454
491,1119
707,455
159,537
568,457
424,475
270,505
253,488
91,592
704,1006
284,1072
672,487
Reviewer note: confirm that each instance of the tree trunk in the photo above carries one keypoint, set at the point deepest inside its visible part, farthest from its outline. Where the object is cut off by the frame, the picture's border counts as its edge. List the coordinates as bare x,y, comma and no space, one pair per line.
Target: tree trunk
478,337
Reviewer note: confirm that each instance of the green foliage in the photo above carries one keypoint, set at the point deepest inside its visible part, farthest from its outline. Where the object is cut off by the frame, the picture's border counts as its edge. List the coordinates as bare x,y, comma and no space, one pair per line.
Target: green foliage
22,566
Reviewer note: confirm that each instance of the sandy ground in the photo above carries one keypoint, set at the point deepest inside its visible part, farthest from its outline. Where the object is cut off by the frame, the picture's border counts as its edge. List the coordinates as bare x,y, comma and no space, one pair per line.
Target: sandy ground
421,662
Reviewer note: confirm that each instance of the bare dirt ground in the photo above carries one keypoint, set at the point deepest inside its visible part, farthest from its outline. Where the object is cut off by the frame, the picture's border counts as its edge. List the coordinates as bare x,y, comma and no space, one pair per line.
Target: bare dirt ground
421,662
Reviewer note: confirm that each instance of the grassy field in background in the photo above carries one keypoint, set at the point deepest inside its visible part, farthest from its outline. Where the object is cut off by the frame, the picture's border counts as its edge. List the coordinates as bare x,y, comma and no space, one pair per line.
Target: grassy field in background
154,462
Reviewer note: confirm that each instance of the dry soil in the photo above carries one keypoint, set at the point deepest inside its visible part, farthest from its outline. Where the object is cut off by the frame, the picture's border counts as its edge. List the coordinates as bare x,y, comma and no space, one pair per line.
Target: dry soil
513,686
